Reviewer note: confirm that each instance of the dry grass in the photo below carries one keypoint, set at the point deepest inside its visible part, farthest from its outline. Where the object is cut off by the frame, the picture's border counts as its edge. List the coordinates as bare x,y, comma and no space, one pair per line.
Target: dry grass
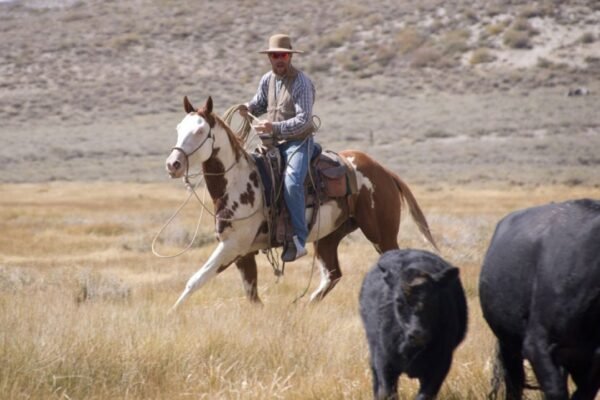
83,302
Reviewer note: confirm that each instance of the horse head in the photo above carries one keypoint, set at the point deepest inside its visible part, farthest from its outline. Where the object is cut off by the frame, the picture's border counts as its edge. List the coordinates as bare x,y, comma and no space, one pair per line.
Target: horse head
195,140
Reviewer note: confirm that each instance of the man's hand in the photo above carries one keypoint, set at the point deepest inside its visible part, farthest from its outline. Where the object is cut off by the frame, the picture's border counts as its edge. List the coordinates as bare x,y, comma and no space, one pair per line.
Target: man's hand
264,127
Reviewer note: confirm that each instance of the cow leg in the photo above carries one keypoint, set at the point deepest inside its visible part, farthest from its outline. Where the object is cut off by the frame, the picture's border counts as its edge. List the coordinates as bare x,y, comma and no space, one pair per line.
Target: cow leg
387,381
326,252
549,375
511,362
220,259
375,380
587,378
246,265
431,382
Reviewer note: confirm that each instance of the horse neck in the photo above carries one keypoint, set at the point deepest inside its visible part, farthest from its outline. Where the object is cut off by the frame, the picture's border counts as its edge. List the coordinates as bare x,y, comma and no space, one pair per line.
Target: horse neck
227,164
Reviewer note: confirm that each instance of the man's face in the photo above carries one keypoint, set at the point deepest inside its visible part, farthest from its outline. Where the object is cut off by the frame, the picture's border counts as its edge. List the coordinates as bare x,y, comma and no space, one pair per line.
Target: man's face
280,62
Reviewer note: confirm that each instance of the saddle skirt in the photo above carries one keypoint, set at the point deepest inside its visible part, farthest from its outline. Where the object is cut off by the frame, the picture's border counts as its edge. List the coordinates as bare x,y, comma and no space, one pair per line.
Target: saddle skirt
330,177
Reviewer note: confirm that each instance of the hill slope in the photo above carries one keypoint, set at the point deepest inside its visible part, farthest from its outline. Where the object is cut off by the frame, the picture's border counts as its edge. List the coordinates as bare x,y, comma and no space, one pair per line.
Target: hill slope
446,81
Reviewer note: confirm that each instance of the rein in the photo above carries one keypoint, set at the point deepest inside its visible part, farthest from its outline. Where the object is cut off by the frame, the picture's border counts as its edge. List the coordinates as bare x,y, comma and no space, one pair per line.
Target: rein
192,189
242,133
187,156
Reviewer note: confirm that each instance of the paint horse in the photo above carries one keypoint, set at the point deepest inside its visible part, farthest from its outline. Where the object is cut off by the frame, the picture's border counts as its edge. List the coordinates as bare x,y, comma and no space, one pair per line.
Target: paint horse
205,141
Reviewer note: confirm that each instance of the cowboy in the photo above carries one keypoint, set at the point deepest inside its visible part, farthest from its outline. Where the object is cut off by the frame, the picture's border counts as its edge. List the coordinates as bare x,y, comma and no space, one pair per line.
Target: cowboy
287,95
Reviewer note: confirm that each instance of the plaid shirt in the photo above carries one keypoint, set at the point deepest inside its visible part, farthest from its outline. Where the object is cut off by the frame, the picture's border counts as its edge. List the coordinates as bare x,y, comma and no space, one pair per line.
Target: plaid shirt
303,95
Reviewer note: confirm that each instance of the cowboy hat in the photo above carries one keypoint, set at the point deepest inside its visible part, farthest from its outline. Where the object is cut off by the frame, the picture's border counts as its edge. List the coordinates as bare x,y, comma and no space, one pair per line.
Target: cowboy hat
280,43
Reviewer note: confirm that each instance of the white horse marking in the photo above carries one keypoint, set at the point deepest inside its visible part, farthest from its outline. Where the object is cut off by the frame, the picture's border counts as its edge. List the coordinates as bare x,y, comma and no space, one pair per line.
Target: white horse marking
363,181
329,214
325,280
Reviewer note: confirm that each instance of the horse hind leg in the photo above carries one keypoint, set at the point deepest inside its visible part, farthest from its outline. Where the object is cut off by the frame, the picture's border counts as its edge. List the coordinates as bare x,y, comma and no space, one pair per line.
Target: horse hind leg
326,252
246,265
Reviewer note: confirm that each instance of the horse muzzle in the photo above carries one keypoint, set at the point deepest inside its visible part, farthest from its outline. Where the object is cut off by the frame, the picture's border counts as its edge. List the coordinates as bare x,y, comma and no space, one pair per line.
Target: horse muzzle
176,164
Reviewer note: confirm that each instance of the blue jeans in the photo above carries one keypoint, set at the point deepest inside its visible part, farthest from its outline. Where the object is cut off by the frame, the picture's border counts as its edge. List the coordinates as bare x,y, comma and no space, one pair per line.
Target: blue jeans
296,155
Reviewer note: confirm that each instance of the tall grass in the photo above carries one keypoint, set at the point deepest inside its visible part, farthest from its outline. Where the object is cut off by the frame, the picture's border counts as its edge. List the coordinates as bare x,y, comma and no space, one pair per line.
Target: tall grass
119,342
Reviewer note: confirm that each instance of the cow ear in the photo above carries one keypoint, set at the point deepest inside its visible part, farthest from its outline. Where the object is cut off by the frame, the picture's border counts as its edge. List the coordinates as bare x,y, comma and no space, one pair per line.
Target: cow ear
419,278
446,276
187,106
386,275
209,105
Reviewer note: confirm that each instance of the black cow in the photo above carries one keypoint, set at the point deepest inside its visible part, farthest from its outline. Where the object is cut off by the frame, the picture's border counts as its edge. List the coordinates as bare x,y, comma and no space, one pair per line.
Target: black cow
540,293
415,314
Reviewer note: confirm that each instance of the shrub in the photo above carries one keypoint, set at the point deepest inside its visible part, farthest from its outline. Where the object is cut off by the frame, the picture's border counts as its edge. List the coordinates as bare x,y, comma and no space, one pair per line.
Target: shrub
352,60
384,55
481,55
336,38
425,57
521,24
587,38
408,39
544,63
532,10
455,41
123,41
517,39
495,29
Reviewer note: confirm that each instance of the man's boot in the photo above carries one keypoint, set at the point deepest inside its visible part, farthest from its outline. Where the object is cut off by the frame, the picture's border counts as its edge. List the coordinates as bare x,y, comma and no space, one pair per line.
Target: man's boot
293,250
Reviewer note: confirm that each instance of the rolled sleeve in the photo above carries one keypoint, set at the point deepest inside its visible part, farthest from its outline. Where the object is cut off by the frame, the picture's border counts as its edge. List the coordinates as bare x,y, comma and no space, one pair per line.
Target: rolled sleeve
258,104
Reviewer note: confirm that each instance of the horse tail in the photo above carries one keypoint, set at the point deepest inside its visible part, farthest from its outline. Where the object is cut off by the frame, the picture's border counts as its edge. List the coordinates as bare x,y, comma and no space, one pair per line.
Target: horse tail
415,211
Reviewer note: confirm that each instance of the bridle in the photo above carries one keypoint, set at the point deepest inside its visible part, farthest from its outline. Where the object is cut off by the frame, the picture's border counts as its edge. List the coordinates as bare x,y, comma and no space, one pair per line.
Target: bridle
188,155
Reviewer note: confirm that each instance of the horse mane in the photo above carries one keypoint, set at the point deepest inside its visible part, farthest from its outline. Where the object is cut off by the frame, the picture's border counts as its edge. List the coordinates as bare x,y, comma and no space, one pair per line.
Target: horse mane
234,140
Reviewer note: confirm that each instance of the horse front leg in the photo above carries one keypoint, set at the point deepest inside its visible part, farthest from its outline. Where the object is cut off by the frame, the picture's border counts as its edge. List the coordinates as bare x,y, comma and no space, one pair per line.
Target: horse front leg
220,259
247,267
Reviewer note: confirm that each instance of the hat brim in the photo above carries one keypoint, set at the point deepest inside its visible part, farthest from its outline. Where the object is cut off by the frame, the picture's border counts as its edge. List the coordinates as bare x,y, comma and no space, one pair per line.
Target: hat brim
280,50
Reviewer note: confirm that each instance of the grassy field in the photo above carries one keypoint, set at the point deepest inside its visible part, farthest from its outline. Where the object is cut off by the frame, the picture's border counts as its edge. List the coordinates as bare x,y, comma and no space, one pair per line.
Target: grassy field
83,302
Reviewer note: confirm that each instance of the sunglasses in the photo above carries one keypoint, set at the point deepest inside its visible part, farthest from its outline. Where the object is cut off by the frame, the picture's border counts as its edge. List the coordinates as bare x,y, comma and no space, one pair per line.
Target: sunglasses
276,56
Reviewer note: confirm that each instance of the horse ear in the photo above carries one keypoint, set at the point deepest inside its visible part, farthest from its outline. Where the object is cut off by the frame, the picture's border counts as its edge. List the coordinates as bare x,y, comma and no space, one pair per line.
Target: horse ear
187,106
209,105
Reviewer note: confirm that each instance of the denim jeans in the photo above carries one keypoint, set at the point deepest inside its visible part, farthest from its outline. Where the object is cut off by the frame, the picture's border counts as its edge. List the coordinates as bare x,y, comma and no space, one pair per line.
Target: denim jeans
296,155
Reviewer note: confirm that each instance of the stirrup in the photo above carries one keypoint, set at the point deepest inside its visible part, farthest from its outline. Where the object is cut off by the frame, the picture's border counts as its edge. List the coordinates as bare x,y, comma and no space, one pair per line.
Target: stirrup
293,250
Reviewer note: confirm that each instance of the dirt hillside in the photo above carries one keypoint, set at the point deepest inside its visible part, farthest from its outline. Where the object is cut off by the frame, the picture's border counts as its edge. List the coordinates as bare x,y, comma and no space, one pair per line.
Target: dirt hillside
443,92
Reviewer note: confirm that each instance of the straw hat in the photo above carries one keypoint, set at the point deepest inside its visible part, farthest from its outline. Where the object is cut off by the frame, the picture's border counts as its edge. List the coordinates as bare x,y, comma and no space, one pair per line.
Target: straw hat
280,43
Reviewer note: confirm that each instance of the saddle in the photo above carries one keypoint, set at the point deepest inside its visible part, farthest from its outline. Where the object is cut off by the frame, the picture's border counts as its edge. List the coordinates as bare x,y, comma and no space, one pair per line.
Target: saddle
330,176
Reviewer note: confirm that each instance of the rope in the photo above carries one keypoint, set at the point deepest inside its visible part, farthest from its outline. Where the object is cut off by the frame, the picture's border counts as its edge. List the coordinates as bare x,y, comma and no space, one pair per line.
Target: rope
316,209
155,252
245,127
242,132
